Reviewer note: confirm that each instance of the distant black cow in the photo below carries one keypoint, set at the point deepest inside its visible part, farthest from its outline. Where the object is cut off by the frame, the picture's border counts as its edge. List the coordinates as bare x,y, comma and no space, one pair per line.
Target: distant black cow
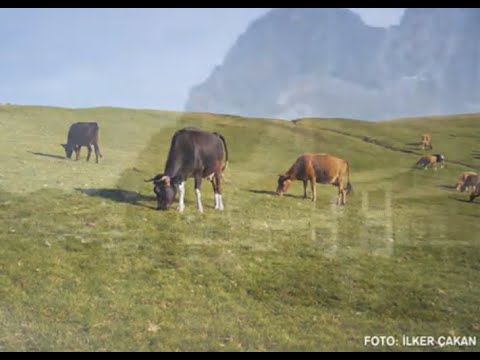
82,134
193,153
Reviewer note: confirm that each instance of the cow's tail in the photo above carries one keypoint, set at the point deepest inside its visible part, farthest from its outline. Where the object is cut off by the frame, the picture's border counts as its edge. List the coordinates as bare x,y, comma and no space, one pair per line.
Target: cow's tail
349,186
226,150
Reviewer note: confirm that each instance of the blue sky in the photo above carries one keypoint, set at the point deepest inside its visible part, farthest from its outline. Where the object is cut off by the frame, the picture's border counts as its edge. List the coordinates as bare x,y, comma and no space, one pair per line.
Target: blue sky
134,58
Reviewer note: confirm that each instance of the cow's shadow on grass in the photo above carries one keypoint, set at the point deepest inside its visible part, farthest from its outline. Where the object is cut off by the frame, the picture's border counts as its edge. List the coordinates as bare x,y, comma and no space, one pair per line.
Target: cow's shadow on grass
273,193
414,144
120,196
464,201
47,155
447,187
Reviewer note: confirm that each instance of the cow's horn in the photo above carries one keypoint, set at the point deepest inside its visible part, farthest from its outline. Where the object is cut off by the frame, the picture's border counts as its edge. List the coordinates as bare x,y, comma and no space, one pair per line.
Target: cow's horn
150,180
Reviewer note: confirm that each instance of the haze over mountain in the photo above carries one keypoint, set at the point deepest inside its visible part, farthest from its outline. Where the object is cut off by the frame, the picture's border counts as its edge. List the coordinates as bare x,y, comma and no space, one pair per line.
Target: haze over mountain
327,62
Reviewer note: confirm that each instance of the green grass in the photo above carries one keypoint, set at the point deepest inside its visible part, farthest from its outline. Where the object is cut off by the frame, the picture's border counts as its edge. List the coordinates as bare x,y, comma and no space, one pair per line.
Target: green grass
86,264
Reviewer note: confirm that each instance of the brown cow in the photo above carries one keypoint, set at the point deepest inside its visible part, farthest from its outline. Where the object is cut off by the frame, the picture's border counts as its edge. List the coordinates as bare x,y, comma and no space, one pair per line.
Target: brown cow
318,168
426,142
466,181
431,160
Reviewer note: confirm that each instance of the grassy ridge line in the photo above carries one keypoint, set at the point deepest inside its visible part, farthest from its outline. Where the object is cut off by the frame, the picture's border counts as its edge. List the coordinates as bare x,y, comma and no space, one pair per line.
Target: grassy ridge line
397,134
393,148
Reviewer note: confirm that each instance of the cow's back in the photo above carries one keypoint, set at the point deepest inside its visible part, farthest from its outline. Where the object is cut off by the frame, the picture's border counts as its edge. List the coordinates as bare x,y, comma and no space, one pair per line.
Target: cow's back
194,149
465,175
427,160
328,168
472,180
83,133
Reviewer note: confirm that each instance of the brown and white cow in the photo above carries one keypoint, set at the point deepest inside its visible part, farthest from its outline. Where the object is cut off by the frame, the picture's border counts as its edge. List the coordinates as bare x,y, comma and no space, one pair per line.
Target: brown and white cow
467,181
426,142
321,169
193,153
432,161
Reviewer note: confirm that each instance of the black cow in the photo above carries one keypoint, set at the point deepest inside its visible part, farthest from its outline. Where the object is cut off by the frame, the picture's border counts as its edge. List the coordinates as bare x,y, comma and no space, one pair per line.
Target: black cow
82,134
193,153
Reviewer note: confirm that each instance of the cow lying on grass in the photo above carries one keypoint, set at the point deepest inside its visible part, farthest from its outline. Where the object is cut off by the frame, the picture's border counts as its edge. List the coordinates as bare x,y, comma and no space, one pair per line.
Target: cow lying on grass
432,161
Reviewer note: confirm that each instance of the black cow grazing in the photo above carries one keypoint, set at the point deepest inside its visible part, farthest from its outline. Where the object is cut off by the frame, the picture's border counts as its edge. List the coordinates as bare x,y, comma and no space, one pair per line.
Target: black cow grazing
82,134
193,153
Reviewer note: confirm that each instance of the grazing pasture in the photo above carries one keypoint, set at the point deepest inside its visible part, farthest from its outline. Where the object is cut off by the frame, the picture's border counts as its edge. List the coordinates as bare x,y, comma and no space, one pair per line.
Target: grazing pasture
87,264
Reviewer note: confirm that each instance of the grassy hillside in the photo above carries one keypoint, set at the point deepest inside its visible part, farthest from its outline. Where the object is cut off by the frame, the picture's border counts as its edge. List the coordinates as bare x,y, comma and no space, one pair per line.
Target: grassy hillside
86,263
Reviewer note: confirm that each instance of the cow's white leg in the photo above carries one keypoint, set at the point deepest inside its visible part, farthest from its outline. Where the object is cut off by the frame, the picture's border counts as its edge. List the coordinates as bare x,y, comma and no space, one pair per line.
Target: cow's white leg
313,183
181,200
340,197
219,202
199,200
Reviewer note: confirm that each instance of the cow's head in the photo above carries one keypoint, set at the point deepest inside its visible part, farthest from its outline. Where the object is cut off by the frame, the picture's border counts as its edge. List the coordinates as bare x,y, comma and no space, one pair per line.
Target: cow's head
68,150
165,191
283,184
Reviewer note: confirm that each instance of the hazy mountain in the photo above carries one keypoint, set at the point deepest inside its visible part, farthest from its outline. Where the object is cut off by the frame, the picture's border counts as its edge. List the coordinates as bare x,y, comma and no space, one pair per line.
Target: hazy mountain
327,62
